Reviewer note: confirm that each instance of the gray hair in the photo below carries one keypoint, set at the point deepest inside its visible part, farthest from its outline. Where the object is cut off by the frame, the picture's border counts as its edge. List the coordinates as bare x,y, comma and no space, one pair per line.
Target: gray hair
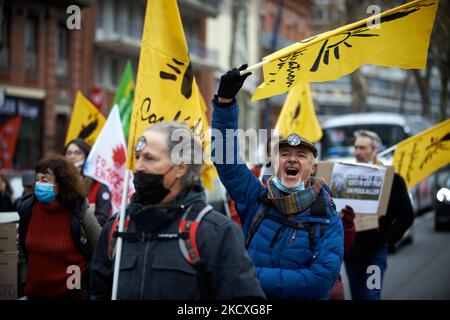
376,141
182,146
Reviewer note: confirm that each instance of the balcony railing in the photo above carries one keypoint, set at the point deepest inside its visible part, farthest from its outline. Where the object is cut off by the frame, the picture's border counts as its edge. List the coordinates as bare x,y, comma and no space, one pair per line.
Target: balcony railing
200,7
198,50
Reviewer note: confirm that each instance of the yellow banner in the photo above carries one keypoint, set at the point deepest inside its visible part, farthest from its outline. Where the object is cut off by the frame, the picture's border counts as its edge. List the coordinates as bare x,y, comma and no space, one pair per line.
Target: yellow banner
399,39
298,114
209,173
86,121
165,86
419,156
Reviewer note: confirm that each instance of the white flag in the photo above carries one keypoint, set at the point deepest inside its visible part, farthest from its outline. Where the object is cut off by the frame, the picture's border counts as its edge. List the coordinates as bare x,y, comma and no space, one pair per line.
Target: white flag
107,159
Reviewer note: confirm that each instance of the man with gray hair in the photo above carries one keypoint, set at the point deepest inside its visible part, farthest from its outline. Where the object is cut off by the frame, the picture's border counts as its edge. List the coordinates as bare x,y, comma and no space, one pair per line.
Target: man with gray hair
367,146
370,248
294,234
175,246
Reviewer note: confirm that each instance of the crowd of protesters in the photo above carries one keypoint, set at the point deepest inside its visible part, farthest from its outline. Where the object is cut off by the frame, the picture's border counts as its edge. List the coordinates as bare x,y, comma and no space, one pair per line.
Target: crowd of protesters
289,241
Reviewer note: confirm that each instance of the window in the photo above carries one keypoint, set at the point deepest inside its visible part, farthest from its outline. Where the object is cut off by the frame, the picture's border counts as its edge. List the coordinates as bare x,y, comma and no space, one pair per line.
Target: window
317,14
62,121
28,148
117,14
99,13
62,51
130,22
191,28
114,72
31,32
99,70
5,36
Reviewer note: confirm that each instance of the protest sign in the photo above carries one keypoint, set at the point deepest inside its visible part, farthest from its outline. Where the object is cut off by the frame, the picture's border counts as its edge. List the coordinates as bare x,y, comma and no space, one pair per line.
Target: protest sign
366,188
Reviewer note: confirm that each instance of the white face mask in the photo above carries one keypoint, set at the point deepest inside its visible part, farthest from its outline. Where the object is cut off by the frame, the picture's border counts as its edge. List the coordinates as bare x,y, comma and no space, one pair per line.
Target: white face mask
283,188
79,164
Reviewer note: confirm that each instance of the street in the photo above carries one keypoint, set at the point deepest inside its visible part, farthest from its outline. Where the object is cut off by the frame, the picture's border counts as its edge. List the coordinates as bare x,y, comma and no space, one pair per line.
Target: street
419,271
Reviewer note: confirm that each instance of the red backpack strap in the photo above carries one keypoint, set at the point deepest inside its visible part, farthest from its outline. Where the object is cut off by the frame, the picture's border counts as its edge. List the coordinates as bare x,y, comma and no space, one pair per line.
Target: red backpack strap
92,197
187,230
112,238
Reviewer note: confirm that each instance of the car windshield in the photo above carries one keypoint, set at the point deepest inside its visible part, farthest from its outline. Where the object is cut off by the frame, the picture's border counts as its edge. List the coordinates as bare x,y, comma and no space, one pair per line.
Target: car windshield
338,141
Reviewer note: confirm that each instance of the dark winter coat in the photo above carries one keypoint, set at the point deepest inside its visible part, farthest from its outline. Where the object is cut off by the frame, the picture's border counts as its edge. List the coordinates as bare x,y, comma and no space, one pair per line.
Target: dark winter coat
156,269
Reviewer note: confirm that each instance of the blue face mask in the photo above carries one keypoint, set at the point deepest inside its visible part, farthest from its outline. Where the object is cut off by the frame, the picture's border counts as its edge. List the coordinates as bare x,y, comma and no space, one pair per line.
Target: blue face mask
283,188
44,192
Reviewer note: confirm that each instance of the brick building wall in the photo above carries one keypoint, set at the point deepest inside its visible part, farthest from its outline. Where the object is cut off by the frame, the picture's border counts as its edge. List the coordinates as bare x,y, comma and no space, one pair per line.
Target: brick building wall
52,93
296,25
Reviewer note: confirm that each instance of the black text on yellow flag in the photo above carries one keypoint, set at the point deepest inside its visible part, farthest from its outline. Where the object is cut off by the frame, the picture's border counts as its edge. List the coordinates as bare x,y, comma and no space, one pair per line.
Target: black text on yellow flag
165,86
419,156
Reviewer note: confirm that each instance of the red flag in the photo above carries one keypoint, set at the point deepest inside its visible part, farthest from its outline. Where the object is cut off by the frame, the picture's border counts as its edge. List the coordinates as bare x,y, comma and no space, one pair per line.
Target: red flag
9,132
97,96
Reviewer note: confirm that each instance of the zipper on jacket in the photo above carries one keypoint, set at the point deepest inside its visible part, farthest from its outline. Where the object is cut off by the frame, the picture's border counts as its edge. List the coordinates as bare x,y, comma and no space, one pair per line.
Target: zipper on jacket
318,220
294,234
143,270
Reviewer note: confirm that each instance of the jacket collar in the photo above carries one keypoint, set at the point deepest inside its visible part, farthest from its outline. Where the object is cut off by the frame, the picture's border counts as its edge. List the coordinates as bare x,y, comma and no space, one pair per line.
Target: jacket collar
152,218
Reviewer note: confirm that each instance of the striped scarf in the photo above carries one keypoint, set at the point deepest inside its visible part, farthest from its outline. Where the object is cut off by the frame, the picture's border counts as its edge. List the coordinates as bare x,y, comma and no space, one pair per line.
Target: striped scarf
292,204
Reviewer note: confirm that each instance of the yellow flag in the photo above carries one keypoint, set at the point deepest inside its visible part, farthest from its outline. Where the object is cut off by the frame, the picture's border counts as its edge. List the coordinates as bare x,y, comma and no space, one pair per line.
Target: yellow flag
399,39
86,121
419,156
209,173
298,114
165,86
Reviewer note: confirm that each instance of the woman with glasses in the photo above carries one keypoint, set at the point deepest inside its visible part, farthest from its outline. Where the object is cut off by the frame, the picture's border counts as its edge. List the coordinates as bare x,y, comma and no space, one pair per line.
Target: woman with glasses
57,234
99,196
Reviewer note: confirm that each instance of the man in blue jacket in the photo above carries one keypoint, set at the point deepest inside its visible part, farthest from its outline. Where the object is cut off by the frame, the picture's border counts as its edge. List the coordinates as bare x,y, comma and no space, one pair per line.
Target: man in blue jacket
293,233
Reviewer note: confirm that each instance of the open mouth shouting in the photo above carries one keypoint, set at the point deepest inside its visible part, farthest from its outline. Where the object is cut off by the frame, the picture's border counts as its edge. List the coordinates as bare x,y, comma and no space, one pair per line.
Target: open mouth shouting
291,177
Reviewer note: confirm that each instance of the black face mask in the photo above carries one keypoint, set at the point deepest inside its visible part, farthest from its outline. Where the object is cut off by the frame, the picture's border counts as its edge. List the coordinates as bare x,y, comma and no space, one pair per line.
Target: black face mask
149,187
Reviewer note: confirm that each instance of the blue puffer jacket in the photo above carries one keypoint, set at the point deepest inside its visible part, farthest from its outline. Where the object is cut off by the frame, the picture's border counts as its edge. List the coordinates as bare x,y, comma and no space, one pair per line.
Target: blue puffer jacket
286,267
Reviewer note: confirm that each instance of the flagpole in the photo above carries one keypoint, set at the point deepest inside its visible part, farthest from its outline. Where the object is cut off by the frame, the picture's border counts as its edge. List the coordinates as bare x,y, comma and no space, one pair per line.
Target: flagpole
119,241
388,150
254,67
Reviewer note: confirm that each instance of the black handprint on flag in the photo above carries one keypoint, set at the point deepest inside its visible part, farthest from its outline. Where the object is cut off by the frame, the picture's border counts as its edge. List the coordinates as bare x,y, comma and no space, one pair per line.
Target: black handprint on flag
188,77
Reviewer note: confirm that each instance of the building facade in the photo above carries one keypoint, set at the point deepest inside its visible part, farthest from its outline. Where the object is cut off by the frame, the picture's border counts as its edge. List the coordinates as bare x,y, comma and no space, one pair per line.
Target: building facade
388,89
43,63
283,22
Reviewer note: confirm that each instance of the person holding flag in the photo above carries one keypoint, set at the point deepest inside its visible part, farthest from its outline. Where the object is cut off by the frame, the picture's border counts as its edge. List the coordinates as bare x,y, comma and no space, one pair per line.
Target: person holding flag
99,196
293,232
169,244
175,246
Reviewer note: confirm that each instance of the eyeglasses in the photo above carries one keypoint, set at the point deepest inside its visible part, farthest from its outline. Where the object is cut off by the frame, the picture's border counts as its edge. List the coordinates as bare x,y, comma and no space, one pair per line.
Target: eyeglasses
75,152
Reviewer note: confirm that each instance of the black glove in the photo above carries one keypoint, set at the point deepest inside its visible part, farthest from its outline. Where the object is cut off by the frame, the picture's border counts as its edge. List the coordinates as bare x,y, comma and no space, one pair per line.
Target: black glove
231,82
